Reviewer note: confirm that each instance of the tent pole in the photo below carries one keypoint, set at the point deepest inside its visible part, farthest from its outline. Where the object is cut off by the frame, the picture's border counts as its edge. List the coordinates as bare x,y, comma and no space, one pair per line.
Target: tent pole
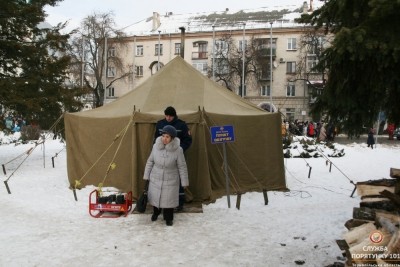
226,176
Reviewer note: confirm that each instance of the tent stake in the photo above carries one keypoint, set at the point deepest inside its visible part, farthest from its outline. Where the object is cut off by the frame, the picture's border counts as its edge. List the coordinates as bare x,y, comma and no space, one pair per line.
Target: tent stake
309,172
4,169
238,199
52,161
265,196
73,190
8,189
330,167
354,190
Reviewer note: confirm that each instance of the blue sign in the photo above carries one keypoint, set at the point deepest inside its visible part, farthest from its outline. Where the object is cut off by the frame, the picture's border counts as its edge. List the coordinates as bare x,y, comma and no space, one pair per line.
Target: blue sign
222,134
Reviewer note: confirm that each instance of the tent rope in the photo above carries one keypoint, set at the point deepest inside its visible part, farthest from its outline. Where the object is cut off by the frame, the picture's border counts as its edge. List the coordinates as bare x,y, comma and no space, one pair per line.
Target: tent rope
123,131
55,124
326,158
112,164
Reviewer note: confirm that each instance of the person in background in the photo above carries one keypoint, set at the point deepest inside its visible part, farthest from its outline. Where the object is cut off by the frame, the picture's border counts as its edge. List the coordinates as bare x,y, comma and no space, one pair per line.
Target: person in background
183,134
390,130
166,169
370,138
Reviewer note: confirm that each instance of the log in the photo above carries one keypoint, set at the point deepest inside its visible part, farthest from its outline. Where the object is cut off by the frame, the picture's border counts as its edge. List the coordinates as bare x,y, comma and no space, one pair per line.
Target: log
395,218
373,187
383,204
358,234
364,256
393,197
364,214
395,173
343,246
391,256
352,223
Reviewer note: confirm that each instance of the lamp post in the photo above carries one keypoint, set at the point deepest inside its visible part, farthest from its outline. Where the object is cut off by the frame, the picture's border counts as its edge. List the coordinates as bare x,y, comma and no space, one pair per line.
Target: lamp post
244,51
270,59
213,53
159,49
105,70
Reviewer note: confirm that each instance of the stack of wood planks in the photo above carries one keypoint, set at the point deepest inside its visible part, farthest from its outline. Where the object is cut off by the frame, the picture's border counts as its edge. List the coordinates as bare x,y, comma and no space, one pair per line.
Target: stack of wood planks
373,238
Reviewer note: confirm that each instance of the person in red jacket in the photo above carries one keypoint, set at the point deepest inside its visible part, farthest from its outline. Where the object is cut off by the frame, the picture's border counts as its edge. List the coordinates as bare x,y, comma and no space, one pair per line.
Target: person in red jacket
390,130
311,130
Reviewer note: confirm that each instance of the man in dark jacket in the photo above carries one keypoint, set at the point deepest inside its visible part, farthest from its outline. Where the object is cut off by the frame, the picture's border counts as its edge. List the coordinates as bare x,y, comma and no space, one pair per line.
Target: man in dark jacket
183,134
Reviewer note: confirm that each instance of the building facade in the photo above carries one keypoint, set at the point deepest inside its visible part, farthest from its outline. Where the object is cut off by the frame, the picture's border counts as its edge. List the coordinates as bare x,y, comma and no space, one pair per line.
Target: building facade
288,58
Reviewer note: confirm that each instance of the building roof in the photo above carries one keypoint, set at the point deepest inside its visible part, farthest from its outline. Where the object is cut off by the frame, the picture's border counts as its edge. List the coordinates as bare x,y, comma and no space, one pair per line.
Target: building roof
260,18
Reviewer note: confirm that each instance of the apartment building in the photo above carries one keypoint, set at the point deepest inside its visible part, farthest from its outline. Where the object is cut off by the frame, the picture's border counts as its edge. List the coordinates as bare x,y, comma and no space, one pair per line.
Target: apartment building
153,42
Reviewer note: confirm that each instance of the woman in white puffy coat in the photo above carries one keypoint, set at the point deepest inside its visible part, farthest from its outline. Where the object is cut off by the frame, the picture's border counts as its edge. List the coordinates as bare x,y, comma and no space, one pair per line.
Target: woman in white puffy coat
165,168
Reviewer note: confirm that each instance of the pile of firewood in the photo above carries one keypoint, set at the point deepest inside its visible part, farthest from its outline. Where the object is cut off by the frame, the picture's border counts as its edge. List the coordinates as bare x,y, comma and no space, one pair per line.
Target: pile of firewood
373,238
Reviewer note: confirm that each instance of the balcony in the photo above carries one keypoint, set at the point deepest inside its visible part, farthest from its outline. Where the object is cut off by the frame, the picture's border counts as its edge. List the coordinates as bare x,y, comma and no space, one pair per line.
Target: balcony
264,76
265,51
199,55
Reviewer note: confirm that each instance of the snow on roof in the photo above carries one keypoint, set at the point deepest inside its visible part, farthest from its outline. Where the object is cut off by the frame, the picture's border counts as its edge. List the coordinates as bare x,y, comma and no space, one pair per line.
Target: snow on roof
281,16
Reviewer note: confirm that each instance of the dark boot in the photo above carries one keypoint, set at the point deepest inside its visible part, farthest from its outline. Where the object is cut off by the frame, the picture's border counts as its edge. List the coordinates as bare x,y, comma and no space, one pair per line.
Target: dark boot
156,212
168,216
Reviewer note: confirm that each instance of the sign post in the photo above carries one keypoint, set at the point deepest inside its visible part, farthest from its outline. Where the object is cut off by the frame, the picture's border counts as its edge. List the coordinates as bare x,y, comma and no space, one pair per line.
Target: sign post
223,134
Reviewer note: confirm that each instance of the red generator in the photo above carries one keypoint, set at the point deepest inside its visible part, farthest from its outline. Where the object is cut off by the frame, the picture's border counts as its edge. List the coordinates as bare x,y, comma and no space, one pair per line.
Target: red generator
111,206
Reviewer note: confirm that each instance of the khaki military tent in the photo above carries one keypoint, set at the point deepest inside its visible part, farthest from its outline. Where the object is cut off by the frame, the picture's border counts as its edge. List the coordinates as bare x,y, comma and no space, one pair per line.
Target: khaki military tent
110,144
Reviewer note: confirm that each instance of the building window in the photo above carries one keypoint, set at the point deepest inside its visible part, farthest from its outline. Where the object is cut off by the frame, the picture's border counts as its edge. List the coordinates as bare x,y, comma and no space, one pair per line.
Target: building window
201,66
201,52
221,66
111,72
221,47
265,90
291,44
139,50
312,61
290,90
156,49
139,71
241,45
111,52
177,48
264,47
110,91
291,67
290,114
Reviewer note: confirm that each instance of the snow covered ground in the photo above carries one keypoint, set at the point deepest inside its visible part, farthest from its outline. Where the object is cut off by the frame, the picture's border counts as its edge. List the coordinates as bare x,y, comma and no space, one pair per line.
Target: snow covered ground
42,224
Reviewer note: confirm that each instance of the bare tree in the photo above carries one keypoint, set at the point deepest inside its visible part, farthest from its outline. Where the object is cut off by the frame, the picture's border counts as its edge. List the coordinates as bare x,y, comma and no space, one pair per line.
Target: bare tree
96,46
229,68
312,44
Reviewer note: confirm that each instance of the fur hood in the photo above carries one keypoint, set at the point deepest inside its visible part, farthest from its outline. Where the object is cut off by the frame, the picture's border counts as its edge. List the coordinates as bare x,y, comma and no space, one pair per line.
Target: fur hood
172,146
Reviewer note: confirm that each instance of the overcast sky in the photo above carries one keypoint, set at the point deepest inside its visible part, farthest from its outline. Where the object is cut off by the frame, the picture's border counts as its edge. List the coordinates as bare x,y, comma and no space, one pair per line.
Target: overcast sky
130,11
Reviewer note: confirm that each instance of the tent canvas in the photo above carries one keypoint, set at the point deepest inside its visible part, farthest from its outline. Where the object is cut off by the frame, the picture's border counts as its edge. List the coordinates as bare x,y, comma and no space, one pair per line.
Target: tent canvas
109,146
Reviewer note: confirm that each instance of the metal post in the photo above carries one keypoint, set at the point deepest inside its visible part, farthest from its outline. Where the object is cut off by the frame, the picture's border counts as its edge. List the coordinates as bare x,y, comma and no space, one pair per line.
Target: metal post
105,70
270,59
244,51
83,60
213,53
226,176
158,62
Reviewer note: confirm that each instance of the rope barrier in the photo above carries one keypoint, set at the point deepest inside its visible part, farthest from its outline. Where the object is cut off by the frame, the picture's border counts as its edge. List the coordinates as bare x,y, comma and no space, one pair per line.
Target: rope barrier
351,181
41,140
28,153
